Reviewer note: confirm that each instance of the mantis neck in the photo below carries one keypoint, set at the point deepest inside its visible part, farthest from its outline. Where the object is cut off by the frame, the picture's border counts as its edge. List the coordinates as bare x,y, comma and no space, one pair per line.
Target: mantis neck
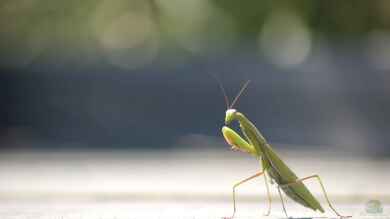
251,133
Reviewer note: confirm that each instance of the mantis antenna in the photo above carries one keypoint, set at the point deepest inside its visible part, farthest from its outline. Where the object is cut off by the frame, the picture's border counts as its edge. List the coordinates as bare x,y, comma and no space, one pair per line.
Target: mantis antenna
224,95
239,94
222,89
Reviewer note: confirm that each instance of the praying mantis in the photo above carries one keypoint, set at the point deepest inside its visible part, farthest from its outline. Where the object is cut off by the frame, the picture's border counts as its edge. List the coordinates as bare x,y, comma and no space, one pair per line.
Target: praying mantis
273,166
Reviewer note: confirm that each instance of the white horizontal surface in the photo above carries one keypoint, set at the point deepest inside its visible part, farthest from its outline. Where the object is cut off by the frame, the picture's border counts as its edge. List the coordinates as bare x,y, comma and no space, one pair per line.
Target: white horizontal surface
162,210
184,184
196,173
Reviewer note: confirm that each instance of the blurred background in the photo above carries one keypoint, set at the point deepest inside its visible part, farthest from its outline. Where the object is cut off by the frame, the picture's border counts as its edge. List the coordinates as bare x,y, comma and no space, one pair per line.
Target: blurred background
115,97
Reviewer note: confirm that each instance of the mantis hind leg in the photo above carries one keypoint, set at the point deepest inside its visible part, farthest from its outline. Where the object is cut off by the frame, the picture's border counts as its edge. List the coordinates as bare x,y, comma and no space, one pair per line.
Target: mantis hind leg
323,191
239,183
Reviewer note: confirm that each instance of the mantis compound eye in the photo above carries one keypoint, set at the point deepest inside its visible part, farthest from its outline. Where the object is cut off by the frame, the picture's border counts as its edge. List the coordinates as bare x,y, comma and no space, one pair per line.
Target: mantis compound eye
229,116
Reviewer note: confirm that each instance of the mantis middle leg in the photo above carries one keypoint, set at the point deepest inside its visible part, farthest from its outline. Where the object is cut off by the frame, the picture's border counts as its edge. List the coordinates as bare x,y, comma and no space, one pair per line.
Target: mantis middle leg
246,180
239,183
282,200
268,195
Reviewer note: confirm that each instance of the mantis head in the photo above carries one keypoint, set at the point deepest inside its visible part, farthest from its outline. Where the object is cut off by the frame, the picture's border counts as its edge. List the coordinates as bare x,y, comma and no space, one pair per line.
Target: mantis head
230,115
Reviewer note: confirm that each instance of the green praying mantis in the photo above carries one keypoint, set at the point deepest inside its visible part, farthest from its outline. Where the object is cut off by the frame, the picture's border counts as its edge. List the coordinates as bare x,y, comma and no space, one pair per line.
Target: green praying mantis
273,166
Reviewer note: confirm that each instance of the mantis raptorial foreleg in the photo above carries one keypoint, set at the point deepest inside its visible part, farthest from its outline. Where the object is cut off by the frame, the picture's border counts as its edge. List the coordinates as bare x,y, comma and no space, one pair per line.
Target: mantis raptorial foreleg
237,143
323,190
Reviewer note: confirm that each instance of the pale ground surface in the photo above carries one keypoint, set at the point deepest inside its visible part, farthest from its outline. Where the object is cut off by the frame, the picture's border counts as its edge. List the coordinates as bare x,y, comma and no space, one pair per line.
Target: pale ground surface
176,184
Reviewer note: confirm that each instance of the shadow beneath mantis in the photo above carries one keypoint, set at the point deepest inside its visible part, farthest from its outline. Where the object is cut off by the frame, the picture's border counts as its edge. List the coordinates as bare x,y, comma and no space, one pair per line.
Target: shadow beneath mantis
299,218
281,218
307,218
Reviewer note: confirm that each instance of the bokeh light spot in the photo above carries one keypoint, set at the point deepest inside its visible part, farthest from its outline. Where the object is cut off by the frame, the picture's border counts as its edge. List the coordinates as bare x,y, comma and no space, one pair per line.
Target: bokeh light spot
378,50
130,40
198,26
285,39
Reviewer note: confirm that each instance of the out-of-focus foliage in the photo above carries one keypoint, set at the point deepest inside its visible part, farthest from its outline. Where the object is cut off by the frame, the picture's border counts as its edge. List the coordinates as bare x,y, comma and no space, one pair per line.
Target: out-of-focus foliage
327,18
31,28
